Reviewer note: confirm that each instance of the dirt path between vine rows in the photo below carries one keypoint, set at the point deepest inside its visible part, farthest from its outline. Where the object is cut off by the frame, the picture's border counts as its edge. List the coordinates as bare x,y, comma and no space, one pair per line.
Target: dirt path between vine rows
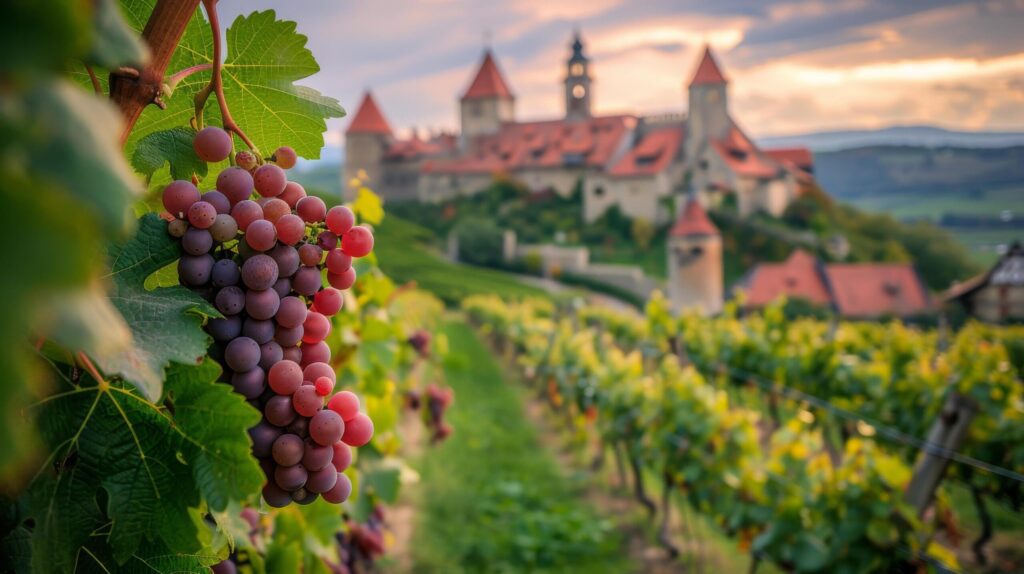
402,515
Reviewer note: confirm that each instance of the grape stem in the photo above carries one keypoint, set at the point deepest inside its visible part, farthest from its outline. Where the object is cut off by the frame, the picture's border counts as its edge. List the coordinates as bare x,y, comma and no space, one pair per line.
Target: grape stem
174,79
95,81
216,85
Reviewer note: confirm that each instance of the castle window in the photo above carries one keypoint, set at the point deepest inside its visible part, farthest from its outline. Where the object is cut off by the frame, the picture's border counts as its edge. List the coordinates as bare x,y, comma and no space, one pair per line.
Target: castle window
738,153
576,69
703,164
599,191
475,109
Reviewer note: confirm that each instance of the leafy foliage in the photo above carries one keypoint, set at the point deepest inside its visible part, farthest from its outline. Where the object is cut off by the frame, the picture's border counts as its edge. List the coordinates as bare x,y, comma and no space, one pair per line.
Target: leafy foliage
173,147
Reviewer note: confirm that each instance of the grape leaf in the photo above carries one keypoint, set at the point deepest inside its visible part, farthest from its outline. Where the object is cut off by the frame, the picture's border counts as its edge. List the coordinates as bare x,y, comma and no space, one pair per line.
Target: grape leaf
264,59
174,147
165,322
114,42
154,468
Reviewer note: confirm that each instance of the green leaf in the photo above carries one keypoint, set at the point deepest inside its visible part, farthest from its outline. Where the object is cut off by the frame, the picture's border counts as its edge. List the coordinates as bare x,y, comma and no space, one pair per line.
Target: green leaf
265,57
153,469
809,553
173,146
86,320
44,35
71,139
216,420
166,322
114,42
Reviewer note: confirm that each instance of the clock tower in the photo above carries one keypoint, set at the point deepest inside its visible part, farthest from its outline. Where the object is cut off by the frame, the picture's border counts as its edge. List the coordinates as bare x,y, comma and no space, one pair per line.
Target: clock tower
577,82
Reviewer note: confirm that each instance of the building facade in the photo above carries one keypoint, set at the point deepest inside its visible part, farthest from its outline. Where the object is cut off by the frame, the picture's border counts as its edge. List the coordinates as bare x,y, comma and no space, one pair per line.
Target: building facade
637,163
996,296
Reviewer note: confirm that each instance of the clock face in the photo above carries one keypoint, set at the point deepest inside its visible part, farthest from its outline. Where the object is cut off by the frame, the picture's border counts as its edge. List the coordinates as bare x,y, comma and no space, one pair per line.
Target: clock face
578,92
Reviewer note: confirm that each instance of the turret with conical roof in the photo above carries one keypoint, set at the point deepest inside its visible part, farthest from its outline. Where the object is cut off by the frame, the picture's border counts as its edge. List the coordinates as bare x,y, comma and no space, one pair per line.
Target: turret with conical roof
487,102
367,138
708,111
695,280
577,82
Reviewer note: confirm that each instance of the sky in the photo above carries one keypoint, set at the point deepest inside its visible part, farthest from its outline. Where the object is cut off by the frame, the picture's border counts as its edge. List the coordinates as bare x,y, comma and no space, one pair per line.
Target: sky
793,66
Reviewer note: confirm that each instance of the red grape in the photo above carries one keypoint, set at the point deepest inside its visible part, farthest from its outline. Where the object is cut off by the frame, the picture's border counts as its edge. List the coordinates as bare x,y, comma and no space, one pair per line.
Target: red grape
274,209
262,304
246,212
338,261
342,456
285,377
326,427
314,371
202,214
306,402
261,235
263,436
310,254
315,353
289,337
269,180
341,491
218,200
212,144
317,456
285,157
358,242
259,272
358,431
293,353
235,183
292,312
346,404
307,281
224,228
328,301
242,354
246,160
316,327
292,193
322,480
178,196
342,281
311,209
340,219
323,386
290,229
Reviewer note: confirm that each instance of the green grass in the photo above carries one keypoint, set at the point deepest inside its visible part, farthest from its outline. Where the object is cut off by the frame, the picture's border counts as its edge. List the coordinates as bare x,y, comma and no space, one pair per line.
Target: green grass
981,242
990,202
491,498
405,253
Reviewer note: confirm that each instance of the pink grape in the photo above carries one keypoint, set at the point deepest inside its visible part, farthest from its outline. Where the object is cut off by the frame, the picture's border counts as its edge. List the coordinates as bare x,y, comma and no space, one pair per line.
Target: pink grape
292,193
269,180
315,456
293,353
311,209
358,242
341,491
261,235
314,371
235,183
310,254
315,353
338,261
326,427
218,200
245,212
291,313
316,328
274,209
202,215
285,157
342,281
328,301
340,219
290,229
306,402
212,144
285,377
178,196
346,404
322,480
342,456
358,431
323,386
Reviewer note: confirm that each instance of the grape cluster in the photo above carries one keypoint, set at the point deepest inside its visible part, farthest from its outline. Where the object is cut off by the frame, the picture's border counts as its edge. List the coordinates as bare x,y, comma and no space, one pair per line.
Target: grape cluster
438,401
261,263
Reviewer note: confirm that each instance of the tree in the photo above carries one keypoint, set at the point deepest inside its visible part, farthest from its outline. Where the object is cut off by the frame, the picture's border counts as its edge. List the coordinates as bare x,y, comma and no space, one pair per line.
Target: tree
642,231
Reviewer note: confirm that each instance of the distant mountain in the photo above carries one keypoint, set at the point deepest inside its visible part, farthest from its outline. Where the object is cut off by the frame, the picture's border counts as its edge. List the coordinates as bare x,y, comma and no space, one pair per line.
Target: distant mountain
922,136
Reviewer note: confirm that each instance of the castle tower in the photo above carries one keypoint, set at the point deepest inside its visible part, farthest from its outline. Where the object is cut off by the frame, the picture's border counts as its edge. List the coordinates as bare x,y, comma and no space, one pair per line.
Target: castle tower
366,141
577,83
487,102
695,262
708,115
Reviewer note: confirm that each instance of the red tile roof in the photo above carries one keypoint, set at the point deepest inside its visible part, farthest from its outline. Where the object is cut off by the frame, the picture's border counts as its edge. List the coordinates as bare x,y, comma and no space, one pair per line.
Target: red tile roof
652,154
707,71
798,277
488,82
867,290
415,147
368,118
743,157
799,157
542,144
693,221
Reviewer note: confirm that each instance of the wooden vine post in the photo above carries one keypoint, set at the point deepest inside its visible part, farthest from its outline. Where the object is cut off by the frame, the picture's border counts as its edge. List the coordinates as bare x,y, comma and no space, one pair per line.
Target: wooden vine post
946,435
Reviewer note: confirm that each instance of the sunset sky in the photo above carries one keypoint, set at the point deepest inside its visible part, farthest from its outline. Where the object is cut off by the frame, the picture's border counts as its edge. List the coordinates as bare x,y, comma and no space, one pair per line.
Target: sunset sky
793,66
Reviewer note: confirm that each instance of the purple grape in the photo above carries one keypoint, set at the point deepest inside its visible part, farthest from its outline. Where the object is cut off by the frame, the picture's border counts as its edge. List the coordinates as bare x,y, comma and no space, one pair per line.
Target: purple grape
291,313
235,183
299,426
263,436
316,457
293,354
279,411
230,300
291,477
259,272
322,480
223,330
224,567
327,240
287,259
307,281
288,450
315,353
270,353
262,304
306,401
276,496
259,330
288,337
242,354
267,465
218,200
225,273
304,497
196,241
326,427
194,270
283,286
250,384
341,490
245,252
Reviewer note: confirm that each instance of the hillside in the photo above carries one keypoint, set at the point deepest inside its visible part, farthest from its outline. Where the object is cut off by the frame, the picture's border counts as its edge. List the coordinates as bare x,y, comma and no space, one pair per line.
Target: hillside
919,136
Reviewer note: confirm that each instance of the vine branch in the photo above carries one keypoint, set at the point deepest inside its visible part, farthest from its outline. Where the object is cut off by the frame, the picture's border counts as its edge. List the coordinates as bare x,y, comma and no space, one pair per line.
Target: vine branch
216,85
164,29
176,78
95,81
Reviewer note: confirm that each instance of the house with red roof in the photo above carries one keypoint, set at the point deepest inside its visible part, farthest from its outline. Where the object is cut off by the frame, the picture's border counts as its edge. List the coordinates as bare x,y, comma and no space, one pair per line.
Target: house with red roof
630,161
852,290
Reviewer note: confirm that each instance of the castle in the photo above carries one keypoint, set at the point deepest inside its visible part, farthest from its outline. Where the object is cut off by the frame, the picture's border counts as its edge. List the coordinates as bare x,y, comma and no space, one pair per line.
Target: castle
635,162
